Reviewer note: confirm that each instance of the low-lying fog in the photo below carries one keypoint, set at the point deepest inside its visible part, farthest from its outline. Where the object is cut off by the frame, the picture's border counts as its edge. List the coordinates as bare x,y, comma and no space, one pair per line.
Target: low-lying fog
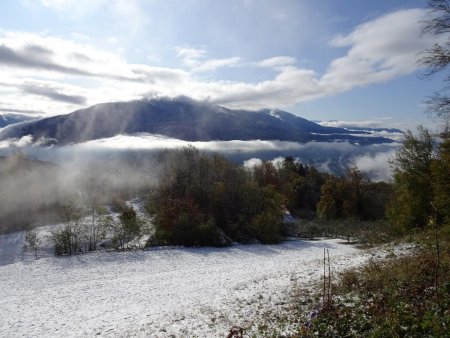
328,156
122,165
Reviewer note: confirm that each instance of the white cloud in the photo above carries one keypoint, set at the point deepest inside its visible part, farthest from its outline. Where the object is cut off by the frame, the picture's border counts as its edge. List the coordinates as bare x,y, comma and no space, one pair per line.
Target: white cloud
378,50
277,61
155,142
384,127
190,55
326,156
196,59
376,165
253,162
213,64
372,123
290,86
25,141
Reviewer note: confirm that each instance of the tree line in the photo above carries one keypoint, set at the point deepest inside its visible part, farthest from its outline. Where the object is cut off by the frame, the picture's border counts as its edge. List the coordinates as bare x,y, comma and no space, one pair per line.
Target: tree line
204,199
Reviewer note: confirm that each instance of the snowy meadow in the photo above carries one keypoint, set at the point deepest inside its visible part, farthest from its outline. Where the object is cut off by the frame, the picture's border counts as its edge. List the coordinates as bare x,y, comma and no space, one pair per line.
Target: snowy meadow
161,292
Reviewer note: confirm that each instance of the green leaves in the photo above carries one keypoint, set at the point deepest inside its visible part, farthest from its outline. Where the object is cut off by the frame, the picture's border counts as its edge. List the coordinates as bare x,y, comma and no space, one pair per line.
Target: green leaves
413,187
207,200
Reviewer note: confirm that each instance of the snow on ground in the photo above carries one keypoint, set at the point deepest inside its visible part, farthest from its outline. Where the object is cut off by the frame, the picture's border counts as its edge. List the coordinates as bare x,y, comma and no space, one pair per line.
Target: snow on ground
11,245
164,292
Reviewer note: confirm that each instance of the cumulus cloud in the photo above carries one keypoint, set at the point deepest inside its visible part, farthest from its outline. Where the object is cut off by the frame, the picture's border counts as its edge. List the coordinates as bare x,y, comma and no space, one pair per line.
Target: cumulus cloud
379,50
79,74
290,86
376,165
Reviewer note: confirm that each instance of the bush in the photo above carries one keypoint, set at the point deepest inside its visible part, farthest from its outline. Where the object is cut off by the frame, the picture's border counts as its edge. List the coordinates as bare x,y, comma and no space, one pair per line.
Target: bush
267,228
66,241
393,298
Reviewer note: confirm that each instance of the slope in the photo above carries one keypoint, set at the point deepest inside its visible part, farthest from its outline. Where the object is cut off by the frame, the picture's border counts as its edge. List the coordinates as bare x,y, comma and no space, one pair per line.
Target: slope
179,118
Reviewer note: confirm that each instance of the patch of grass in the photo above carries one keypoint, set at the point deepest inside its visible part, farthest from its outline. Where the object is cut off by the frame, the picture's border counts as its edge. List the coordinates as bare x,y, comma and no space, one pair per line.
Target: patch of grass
395,297
352,231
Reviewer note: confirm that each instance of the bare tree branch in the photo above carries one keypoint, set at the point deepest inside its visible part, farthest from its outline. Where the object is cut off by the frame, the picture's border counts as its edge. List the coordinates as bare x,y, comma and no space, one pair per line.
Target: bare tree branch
437,58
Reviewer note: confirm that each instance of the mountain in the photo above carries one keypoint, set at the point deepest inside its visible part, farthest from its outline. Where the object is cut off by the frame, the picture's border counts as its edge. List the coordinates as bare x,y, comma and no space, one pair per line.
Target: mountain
7,119
179,118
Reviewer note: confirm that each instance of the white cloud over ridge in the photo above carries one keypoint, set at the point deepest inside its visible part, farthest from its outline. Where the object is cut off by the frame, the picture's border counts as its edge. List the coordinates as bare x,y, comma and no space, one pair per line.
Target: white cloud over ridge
326,156
372,123
374,127
54,75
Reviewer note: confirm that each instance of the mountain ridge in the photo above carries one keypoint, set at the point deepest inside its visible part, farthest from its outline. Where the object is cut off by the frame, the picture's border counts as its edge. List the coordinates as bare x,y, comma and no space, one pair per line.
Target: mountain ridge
180,118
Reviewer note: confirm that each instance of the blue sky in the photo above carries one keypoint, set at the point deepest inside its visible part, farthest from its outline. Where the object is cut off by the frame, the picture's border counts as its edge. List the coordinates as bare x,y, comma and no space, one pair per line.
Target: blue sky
348,60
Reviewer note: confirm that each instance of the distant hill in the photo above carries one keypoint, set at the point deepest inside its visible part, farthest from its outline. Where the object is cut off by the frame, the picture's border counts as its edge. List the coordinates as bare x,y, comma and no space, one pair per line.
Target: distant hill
180,118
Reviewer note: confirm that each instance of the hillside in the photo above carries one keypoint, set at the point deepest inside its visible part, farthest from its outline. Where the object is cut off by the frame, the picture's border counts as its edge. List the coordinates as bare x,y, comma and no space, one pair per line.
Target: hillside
183,119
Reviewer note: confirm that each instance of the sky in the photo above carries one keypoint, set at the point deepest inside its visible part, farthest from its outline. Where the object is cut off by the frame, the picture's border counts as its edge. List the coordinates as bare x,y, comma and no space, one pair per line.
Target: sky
346,60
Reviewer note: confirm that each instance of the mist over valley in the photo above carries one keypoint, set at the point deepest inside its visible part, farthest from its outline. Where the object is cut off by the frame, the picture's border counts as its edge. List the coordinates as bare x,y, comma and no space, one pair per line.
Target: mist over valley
227,169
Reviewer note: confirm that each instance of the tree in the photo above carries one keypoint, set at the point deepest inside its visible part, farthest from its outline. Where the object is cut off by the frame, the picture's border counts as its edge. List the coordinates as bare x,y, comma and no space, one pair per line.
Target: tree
410,205
32,241
126,228
94,191
68,239
329,205
341,197
441,182
209,200
437,58
300,186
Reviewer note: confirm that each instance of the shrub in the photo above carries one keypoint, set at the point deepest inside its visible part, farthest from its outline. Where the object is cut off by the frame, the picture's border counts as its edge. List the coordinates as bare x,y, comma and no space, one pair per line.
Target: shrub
392,298
66,241
267,228
32,241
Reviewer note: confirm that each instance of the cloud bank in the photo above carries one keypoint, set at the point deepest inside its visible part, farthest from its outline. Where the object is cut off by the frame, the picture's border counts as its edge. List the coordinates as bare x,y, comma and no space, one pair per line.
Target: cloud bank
333,157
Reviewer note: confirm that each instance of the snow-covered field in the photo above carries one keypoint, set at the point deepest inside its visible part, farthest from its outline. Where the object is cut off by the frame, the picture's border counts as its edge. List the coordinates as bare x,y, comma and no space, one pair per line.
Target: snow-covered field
165,292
